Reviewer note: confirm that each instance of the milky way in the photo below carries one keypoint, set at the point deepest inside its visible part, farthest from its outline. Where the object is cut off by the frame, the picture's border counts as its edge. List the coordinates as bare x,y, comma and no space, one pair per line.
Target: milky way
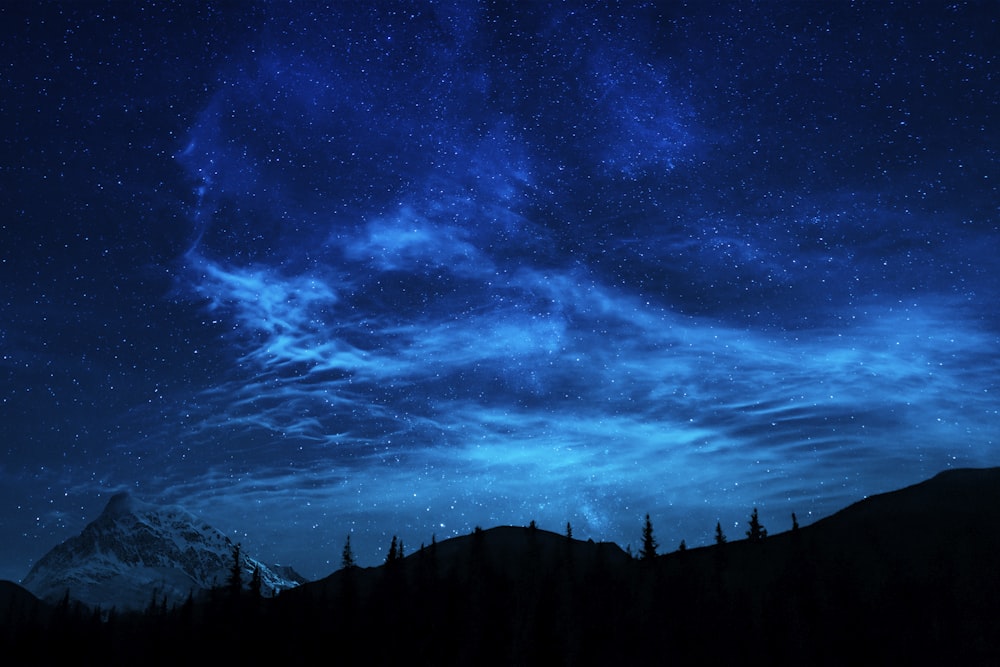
412,268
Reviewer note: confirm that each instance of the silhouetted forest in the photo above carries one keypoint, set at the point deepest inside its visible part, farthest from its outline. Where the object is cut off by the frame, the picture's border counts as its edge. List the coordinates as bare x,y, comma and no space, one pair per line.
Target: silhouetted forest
911,577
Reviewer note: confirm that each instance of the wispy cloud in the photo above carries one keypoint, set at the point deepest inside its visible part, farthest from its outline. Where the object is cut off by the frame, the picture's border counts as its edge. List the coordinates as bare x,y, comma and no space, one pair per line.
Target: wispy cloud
560,398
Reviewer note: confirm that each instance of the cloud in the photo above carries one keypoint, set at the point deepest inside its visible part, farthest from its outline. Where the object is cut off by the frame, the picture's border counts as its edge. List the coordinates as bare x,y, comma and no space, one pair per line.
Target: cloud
409,242
572,360
447,305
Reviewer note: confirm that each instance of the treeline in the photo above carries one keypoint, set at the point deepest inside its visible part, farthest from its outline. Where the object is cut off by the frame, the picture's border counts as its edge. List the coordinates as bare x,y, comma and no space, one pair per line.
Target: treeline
509,596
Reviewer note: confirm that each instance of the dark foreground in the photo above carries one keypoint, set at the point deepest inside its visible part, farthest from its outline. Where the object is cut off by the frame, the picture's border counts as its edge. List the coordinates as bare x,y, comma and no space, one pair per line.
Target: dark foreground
911,577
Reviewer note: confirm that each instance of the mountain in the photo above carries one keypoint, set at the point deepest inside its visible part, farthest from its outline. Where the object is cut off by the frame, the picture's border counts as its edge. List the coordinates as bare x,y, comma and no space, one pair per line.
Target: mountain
135,550
953,515
906,577
512,553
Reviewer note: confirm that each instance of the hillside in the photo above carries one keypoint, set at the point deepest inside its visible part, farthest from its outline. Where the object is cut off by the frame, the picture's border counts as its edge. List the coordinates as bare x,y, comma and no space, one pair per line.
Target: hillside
908,577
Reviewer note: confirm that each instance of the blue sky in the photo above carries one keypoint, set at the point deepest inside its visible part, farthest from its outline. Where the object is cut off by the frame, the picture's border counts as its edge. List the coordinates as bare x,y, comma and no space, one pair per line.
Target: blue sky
412,268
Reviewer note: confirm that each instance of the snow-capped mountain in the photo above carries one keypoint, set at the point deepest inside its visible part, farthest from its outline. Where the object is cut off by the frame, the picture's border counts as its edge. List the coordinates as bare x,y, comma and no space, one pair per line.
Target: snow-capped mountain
135,550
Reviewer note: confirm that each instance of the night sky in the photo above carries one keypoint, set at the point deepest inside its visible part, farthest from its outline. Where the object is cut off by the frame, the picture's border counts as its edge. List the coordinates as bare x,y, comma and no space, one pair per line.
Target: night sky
378,268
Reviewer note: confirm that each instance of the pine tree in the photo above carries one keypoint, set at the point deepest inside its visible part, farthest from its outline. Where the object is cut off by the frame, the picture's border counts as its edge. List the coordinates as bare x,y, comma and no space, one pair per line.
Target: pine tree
757,532
391,558
235,582
255,582
795,523
683,547
187,609
347,556
348,582
569,531
152,606
721,559
648,550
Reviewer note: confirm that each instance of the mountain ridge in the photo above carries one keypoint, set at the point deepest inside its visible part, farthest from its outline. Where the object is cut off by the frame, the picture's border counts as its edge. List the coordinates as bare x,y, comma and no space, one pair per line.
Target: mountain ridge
135,551
904,577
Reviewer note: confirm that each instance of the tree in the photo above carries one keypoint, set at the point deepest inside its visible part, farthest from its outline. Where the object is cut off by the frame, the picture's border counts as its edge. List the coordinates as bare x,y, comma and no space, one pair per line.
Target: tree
235,582
347,556
720,537
795,523
720,552
151,608
255,581
391,558
648,550
348,585
757,532
569,531
683,547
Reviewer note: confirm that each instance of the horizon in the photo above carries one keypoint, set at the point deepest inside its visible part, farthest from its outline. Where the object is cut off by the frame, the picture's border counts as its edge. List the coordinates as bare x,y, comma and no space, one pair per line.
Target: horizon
411,549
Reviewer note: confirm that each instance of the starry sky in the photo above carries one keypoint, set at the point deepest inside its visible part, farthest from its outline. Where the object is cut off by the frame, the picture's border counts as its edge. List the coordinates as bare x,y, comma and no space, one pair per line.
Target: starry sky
409,268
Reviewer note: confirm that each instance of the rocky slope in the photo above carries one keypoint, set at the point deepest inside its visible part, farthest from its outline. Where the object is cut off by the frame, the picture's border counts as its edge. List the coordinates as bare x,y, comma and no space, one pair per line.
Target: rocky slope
135,551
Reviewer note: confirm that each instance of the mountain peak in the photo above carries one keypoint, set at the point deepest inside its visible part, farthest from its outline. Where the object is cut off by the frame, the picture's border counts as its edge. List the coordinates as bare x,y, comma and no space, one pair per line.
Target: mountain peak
120,504
135,548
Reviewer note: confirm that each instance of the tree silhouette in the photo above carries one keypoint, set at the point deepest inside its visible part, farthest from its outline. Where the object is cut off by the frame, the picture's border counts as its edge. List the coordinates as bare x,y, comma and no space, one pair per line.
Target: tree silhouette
720,537
391,558
649,545
348,583
347,555
235,581
757,532
255,581
569,531
795,523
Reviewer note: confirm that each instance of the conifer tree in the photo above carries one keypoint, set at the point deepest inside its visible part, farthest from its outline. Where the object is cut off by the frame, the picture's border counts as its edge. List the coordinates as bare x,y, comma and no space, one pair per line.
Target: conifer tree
391,558
347,555
255,582
757,532
648,550
152,606
569,530
235,582
187,609
348,583
720,552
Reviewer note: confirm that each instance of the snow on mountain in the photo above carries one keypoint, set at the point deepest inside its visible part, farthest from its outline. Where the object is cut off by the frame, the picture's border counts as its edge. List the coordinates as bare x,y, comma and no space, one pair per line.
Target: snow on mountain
135,550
